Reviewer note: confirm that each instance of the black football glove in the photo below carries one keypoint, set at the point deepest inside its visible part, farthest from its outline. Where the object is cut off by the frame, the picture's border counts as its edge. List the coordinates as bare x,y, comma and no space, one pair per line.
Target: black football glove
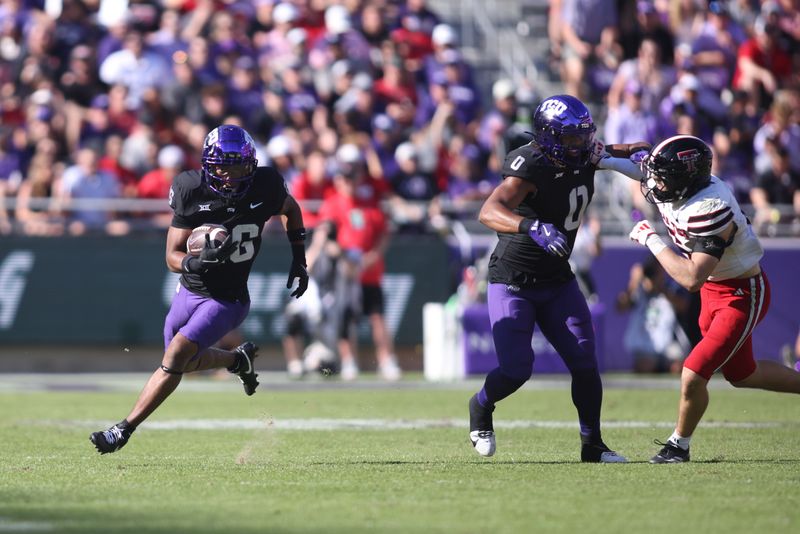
299,271
211,256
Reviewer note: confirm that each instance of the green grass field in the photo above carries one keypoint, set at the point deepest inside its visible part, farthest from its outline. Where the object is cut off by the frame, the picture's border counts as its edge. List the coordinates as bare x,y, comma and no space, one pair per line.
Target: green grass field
333,459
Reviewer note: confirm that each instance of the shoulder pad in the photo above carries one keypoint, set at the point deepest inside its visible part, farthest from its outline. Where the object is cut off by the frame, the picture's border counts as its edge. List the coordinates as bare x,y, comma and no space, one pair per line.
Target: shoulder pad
708,216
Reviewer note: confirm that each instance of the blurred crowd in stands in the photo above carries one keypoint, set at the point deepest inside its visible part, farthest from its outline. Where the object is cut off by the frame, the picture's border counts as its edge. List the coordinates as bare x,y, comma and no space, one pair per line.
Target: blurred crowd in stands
109,99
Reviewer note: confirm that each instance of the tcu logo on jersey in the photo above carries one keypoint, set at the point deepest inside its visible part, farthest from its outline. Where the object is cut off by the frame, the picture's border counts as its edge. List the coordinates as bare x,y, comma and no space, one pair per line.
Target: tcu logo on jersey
689,158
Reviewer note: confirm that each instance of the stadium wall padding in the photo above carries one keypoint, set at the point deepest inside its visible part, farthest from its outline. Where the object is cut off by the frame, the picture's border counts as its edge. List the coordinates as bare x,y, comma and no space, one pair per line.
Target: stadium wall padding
116,290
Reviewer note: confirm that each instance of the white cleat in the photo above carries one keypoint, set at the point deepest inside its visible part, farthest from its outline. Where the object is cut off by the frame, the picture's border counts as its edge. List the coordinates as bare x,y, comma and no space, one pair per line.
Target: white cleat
483,441
611,457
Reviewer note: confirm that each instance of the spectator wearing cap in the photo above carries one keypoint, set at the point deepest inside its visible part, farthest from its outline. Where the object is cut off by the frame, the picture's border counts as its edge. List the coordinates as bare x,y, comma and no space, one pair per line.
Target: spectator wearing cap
690,98
277,49
354,110
135,67
281,157
117,24
713,56
498,120
443,39
762,67
339,41
409,181
385,138
156,183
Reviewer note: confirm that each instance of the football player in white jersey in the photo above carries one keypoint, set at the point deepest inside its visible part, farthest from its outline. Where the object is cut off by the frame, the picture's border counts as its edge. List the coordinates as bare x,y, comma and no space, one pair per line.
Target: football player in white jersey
719,256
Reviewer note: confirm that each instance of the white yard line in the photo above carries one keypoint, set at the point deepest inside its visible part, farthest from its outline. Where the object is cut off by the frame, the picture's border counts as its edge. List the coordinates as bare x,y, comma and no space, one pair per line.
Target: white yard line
10,525
389,424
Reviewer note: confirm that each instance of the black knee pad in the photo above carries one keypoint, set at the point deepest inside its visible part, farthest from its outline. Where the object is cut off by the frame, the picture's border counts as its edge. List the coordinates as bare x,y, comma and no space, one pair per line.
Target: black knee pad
170,371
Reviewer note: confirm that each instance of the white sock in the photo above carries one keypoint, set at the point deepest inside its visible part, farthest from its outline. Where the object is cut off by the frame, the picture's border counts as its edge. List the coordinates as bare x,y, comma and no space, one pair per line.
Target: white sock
680,441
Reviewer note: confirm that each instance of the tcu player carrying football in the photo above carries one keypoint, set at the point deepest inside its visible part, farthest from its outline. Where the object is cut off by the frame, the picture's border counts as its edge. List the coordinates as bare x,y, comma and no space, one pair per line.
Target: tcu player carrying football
212,297
536,211
719,256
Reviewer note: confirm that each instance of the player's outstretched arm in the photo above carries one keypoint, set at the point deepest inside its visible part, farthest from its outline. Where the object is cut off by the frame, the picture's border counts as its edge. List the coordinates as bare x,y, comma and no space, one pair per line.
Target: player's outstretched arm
623,158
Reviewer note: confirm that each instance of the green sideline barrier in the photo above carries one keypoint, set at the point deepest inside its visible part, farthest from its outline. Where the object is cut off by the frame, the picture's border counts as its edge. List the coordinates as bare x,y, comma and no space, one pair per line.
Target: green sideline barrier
100,290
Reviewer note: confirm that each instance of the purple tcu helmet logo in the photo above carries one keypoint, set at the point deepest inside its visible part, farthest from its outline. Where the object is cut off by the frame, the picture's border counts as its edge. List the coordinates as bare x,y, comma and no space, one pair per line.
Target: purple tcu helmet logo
229,160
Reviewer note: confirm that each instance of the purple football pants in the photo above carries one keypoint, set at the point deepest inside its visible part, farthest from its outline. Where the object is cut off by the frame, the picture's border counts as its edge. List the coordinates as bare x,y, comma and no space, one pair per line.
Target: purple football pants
200,319
564,319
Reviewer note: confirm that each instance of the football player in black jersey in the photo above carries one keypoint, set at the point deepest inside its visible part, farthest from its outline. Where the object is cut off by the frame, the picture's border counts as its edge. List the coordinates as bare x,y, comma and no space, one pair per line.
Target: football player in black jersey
212,298
536,210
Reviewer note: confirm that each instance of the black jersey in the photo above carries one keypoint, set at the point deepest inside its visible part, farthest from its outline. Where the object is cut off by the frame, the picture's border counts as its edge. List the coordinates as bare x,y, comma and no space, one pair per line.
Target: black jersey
562,195
194,203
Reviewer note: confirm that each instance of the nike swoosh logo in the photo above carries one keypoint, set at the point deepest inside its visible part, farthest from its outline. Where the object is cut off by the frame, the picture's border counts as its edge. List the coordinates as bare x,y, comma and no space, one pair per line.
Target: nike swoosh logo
546,231
254,206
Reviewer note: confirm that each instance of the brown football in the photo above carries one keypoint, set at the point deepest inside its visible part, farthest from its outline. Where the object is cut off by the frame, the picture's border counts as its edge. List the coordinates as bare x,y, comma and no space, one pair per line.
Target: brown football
197,239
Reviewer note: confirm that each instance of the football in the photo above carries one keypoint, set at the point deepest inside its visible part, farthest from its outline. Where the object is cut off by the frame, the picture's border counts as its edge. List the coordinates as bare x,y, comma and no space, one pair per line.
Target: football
197,239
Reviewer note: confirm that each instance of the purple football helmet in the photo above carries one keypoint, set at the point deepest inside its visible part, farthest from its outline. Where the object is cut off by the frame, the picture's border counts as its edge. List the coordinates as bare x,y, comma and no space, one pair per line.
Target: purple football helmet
564,130
229,160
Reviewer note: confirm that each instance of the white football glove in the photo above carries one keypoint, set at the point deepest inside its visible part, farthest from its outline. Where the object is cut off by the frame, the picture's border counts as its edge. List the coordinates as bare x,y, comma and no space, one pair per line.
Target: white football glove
644,234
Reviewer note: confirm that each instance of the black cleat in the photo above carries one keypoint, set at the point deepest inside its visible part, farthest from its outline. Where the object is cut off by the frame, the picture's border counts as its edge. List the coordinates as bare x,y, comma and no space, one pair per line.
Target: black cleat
111,440
669,454
244,368
599,453
481,429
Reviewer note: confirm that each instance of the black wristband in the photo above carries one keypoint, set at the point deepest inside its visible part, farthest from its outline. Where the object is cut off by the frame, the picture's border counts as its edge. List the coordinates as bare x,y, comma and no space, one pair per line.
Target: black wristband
525,225
190,264
299,253
298,234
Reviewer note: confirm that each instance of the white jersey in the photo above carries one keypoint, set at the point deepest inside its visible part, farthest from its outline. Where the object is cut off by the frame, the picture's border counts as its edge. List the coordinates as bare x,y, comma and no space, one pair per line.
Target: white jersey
707,213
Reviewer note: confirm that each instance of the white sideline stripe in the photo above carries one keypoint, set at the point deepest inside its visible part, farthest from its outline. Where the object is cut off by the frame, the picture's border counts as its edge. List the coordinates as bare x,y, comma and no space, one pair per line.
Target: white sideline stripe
391,424
9,525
